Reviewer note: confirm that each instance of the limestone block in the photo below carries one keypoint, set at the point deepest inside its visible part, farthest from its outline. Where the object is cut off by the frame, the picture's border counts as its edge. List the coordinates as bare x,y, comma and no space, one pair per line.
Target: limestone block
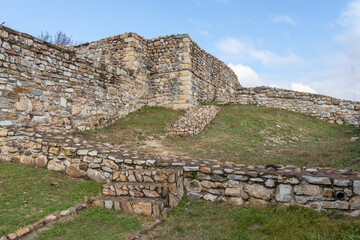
258,191
284,193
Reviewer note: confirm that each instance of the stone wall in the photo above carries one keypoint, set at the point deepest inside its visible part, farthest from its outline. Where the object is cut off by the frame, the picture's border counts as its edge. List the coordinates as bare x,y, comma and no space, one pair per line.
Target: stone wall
93,84
193,122
213,80
323,107
319,188
43,84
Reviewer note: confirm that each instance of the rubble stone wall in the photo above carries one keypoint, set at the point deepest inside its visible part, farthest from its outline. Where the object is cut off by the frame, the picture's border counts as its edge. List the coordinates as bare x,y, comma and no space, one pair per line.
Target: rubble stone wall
319,188
323,107
193,122
213,80
43,84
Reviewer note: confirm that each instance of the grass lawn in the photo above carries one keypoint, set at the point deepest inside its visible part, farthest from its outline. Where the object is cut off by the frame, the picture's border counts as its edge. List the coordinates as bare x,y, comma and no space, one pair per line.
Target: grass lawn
96,223
26,194
214,220
243,134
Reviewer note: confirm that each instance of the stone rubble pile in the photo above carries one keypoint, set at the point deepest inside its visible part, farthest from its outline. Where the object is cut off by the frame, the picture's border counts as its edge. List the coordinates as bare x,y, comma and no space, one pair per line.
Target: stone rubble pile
193,122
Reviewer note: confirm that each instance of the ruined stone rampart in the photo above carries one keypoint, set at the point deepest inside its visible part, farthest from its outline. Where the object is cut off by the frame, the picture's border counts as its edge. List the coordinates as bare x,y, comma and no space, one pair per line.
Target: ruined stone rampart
43,84
133,174
323,107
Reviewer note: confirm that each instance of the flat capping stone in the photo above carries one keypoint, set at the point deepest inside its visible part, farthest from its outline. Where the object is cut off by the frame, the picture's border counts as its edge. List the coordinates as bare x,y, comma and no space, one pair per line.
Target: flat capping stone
183,35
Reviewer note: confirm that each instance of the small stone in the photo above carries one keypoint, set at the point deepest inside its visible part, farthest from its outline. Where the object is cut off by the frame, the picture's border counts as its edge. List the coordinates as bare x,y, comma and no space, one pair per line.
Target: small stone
257,202
258,191
3,132
95,176
235,201
54,166
142,208
237,177
284,193
22,231
50,218
270,183
82,152
74,171
150,193
209,197
318,180
342,182
12,236
295,139
357,187
190,169
193,186
205,170
236,192
355,203
41,161
308,190
194,196
108,204
65,212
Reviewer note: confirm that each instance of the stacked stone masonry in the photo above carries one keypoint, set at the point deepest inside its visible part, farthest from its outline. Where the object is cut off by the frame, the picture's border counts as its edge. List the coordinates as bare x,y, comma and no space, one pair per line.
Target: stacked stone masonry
48,90
193,122
323,107
159,179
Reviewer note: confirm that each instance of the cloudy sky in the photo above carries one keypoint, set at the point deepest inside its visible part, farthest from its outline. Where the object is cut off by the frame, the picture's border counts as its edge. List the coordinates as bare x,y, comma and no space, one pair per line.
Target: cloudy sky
303,45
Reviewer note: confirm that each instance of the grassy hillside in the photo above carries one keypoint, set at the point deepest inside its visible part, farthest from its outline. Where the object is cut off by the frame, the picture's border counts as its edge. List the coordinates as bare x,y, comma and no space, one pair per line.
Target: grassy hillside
242,134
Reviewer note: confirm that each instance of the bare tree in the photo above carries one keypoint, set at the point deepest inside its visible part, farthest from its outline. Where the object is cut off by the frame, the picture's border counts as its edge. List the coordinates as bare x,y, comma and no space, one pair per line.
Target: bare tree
59,37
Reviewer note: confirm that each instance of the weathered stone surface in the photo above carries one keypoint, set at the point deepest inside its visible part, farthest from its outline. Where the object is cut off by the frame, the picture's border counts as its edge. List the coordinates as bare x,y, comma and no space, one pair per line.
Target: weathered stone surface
335,205
74,171
357,187
193,186
284,193
342,182
209,197
258,191
355,203
194,196
318,180
235,201
236,192
108,204
237,177
142,208
257,202
55,166
22,231
307,189
41,161
95,176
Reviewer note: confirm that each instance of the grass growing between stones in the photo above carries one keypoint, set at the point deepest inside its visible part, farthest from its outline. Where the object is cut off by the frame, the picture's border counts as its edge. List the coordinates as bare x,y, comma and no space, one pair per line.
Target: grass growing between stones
214,220
242,134
26,194
96,224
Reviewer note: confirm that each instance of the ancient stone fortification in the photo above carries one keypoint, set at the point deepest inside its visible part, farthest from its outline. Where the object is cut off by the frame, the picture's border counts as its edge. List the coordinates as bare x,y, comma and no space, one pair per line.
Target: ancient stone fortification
47,90
324,107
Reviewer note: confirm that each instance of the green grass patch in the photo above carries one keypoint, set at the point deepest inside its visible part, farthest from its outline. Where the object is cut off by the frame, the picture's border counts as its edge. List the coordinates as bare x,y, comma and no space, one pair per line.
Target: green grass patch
96,224
214,220
26,194
243,134
135,127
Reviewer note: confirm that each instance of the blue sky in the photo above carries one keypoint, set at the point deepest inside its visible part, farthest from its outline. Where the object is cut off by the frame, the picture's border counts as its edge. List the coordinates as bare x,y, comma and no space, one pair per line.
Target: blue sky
295,44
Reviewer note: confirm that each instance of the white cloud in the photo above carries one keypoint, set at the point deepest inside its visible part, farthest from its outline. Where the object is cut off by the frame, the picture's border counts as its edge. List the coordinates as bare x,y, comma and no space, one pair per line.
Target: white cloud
247,77
284,19
301,88
244,50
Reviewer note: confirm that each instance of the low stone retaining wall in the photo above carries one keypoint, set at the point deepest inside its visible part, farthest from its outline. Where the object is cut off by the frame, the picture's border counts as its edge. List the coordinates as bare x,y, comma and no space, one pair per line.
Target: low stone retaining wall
319,188
324,107
49,220
193,122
